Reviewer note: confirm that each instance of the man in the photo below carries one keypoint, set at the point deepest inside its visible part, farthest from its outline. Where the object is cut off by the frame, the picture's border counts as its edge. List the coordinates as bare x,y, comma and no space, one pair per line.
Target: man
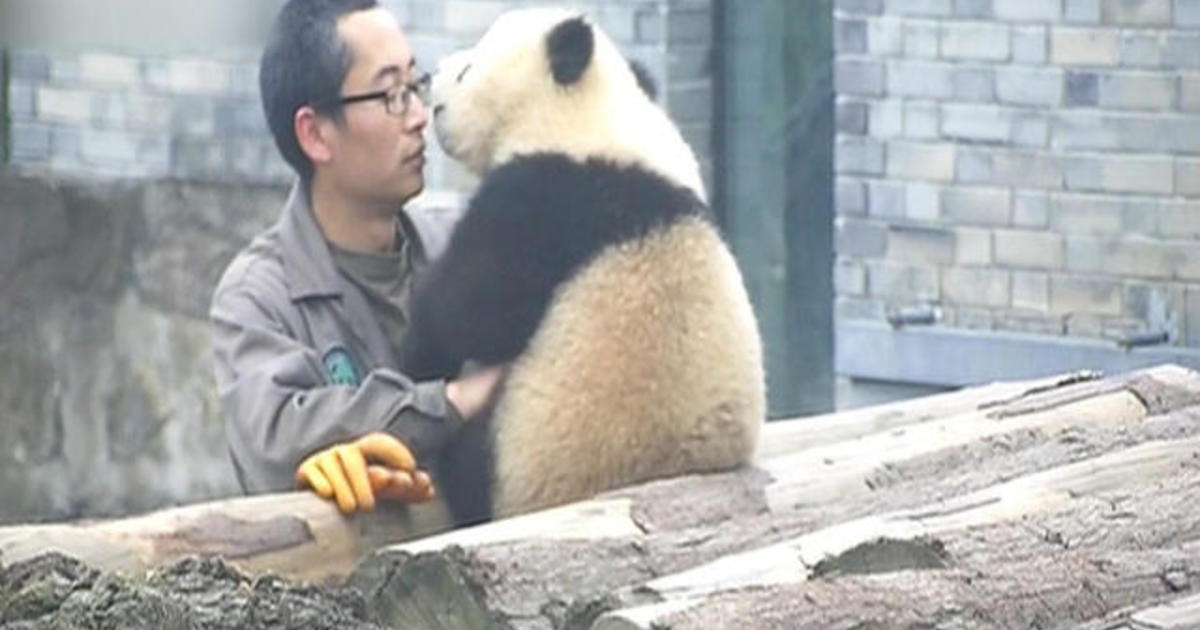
307,319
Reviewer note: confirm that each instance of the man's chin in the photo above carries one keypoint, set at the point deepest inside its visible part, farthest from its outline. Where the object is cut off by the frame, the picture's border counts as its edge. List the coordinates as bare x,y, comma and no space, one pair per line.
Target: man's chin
411,190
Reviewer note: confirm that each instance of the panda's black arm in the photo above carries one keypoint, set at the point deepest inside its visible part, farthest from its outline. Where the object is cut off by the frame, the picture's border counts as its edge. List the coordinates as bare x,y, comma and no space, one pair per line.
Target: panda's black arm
530,226
484,297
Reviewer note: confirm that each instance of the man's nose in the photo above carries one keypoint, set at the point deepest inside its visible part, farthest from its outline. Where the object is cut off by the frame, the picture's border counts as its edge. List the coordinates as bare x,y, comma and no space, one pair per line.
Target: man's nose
418,114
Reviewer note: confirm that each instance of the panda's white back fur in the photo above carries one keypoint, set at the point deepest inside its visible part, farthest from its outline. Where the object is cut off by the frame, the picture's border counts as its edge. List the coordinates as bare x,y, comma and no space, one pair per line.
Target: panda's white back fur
647,362
605,396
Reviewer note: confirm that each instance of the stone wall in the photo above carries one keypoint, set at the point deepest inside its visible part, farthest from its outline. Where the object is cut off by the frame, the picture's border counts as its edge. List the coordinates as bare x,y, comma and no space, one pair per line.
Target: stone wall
106,399
133,178
1022,165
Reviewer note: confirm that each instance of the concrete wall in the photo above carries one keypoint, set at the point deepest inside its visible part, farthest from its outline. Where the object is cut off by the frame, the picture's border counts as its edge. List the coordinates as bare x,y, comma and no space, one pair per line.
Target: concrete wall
161,28
1023,166
140,163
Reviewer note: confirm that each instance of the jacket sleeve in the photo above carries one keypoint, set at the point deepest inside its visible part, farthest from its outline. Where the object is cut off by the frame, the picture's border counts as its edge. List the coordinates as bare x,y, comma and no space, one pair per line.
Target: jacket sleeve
279,406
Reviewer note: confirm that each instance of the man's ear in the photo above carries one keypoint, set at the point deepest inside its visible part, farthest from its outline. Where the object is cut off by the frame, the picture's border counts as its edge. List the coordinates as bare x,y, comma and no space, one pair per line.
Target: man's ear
311,134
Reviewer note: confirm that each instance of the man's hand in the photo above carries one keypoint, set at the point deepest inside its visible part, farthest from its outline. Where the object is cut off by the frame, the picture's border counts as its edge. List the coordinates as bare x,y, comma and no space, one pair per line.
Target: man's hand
476,390
355,473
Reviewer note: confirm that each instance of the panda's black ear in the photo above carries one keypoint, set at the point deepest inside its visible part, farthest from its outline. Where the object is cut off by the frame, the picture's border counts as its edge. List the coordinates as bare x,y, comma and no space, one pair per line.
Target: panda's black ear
570,47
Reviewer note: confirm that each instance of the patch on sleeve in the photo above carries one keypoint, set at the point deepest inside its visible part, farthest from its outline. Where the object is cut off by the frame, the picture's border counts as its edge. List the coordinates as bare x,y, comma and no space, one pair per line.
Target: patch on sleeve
339,365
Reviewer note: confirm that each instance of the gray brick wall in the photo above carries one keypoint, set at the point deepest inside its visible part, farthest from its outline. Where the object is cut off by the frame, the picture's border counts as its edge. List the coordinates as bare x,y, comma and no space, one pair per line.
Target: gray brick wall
1023,165
114,114
107,115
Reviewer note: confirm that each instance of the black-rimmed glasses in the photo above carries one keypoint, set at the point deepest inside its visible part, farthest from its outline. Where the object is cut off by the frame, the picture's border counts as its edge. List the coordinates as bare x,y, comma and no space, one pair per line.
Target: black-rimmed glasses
396,100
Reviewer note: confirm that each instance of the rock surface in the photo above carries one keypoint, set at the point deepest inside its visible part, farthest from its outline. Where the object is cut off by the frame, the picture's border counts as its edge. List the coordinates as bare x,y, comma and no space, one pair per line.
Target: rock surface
53,591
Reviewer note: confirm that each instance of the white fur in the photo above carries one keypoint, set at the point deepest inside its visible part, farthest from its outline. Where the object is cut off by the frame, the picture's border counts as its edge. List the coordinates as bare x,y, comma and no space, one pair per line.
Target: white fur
648,362
507,104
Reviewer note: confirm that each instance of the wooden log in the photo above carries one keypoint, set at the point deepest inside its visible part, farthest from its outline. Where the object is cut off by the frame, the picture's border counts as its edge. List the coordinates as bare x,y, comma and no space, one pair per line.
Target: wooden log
1161,389
845,469
683,522
527,572
853,467
1182,613
295,534
1059,546
1055,489
1177,615
530,578
1056,591
788,436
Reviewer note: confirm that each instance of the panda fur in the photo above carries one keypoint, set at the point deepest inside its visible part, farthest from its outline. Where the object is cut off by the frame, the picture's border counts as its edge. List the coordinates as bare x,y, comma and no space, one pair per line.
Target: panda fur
588,261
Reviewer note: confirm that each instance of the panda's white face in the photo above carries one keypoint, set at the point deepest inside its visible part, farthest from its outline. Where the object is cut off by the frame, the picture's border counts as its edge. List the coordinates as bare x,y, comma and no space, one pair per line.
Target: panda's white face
500,99
480,91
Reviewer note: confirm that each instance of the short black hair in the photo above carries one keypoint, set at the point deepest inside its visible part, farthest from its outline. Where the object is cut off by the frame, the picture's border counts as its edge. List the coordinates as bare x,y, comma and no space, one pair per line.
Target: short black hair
304,63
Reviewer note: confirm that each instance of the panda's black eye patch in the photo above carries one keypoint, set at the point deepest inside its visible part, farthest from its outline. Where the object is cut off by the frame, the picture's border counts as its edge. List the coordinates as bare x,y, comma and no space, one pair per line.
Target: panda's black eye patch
462,73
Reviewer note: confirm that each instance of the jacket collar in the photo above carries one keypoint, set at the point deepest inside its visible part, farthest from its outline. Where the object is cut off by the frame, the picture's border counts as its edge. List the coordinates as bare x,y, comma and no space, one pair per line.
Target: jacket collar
306,255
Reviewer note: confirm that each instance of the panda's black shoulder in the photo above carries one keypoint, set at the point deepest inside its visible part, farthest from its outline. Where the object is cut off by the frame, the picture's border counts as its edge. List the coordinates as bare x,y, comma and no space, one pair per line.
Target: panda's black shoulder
581,205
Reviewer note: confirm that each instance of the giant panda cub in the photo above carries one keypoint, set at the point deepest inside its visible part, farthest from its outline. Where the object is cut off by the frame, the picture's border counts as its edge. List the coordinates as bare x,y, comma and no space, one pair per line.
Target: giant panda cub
587,261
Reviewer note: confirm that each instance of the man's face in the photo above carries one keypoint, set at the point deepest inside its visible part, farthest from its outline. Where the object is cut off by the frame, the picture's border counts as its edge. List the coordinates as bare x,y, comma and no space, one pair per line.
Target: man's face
376,154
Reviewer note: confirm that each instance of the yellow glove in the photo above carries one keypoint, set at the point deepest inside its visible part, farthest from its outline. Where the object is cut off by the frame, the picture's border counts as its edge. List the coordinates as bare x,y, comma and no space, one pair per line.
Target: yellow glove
342,472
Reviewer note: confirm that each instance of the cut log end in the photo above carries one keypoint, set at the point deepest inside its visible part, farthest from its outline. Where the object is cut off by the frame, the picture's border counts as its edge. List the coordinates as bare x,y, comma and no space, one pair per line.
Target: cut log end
425,590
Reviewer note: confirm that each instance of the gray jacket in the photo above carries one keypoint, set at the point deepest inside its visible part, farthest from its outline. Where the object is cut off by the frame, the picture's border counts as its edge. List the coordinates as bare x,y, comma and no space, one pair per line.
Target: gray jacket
301,362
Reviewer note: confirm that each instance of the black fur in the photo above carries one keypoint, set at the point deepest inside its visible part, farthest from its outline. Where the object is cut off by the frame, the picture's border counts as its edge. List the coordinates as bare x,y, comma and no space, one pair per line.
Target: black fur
569,47
532,224
462,473
645,79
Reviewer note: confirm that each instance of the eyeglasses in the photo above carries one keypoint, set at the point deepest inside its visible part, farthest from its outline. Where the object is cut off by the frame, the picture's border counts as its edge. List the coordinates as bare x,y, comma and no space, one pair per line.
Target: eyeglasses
396,100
